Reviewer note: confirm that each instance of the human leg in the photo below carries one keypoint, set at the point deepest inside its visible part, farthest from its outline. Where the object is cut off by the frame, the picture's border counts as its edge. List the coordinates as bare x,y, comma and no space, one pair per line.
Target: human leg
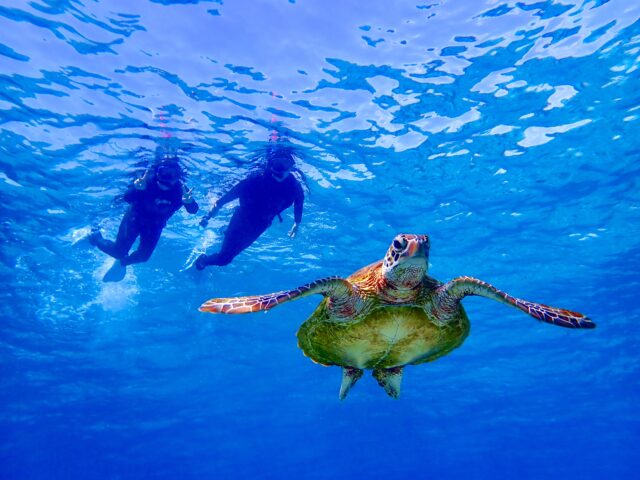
127,233
241,233
149,236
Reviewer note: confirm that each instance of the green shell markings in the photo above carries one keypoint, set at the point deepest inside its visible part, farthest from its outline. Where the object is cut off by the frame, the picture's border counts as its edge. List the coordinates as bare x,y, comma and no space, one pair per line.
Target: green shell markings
389,314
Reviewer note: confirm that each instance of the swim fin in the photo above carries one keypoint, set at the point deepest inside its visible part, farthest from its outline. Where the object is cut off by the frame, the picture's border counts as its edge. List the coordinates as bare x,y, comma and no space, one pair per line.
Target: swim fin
116,273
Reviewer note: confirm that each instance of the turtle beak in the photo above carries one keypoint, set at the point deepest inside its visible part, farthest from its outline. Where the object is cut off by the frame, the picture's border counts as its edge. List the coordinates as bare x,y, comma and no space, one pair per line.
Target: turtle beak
412,249
418,246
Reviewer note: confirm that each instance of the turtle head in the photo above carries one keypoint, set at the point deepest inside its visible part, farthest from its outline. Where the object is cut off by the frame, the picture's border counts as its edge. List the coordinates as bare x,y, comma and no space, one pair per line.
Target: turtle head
406,261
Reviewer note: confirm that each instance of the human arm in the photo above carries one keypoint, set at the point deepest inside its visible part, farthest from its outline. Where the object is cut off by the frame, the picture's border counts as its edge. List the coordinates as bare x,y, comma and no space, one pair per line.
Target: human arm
298,204
139,185
209,215
223,200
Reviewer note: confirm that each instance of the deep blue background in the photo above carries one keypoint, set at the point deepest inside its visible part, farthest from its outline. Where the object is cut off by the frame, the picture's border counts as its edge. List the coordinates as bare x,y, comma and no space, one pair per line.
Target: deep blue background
505,130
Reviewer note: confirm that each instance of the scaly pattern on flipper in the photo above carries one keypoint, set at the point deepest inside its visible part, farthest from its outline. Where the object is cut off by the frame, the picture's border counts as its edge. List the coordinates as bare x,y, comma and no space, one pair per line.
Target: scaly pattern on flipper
452,292
553,315
256,303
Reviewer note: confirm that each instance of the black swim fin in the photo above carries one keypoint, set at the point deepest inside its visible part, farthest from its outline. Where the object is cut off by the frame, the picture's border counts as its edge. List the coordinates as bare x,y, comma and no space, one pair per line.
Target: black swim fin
116,273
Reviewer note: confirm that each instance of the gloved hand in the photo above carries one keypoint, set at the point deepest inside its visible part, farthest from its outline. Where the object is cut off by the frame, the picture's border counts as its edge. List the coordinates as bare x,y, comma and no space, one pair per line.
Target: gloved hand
187,196
140,183
210,215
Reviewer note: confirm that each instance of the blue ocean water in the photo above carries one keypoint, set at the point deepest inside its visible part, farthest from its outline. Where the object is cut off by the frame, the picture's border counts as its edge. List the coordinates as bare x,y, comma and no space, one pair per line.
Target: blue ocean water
505,130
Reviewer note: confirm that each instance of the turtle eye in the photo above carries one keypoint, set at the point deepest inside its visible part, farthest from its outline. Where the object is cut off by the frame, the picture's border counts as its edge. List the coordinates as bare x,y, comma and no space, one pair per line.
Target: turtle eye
400,244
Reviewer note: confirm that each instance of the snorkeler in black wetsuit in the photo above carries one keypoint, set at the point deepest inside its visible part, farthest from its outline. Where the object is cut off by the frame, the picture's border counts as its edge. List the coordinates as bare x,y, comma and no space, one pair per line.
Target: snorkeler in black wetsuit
153,199
263,196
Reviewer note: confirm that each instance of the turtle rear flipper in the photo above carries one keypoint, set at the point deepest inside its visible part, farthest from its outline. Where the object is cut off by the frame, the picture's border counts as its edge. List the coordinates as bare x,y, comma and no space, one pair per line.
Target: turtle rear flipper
350,376
389,379
340,292
449,294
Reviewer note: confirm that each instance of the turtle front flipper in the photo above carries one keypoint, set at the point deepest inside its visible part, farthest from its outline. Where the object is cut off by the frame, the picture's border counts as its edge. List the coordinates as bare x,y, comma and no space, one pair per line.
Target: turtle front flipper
449,295
340,292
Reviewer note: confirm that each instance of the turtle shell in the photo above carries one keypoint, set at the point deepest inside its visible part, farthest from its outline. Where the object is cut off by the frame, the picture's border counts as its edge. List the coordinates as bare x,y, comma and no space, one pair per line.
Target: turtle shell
386,336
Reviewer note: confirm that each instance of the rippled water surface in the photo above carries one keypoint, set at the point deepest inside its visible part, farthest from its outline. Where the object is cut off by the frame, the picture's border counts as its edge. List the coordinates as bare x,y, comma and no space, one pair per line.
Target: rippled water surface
505,130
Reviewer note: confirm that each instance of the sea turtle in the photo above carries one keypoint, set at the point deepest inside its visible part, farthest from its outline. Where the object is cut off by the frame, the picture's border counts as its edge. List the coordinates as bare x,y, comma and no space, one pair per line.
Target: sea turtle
389,314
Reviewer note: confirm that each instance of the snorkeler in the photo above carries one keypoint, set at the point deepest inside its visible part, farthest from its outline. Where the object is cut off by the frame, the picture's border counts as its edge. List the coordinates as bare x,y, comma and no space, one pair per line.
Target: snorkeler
153,199
263,196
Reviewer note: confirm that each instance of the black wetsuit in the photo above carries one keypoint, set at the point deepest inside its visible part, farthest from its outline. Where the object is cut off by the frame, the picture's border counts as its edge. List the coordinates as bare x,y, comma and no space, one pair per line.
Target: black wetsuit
148,213
261,199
